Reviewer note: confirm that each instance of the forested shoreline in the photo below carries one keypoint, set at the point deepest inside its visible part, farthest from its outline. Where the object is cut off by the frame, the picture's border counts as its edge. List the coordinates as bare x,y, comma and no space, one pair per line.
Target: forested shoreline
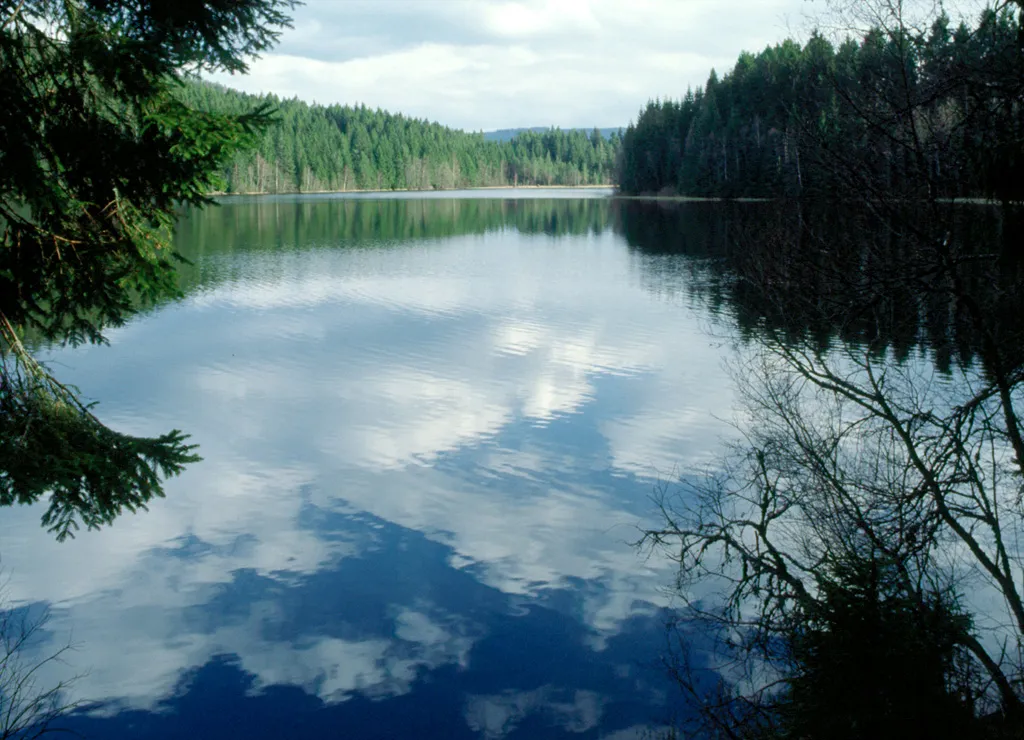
798,120
316,148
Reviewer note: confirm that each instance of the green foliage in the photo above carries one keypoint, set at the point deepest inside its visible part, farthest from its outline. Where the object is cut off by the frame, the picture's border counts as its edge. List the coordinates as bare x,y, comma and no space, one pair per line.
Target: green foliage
818,119
876,661
314,148
51,443
98,148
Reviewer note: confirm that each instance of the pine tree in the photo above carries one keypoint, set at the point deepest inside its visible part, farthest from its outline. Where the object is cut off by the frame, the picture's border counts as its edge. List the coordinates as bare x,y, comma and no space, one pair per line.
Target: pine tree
98,150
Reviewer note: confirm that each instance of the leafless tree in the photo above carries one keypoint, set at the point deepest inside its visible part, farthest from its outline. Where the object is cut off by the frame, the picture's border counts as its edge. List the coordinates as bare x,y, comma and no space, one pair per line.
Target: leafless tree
30,707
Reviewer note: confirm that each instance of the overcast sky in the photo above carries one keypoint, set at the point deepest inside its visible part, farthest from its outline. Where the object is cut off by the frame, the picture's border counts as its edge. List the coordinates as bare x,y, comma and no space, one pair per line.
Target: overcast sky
490,64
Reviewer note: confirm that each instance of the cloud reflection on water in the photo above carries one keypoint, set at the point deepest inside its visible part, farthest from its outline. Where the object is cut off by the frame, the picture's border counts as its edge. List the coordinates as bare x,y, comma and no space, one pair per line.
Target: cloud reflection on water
503,401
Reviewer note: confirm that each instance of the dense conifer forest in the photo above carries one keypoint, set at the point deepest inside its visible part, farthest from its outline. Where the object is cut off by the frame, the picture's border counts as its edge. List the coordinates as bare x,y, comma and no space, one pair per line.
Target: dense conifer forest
788,120
318,148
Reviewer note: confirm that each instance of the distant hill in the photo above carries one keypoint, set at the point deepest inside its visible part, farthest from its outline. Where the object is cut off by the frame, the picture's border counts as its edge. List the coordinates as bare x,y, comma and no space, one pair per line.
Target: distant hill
339,147
507,134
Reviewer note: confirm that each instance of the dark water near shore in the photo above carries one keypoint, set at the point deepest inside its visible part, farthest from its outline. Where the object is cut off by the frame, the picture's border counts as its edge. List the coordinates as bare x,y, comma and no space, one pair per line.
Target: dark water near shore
431,429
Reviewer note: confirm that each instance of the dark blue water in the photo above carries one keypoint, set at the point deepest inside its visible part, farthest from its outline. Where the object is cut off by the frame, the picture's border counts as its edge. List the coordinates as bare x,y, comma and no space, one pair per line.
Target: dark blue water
431,430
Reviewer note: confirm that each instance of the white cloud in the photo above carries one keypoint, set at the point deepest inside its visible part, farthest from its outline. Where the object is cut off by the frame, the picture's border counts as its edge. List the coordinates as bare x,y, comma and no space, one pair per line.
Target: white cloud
496,716
496,64
530,19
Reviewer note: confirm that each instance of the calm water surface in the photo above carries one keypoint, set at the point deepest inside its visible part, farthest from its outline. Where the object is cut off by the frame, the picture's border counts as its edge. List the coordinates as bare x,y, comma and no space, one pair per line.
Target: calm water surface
431,428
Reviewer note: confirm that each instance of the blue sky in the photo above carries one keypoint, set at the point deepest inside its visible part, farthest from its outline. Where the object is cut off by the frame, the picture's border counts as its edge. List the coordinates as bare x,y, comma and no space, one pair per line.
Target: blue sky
488,64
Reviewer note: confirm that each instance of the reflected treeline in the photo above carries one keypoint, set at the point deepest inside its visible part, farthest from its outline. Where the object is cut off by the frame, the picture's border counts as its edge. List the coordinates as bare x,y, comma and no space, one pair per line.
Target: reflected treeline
824,271
835,273
271,224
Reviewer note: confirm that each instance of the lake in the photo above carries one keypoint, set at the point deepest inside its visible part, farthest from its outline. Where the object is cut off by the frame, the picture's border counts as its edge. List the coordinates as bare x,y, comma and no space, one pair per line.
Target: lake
431,428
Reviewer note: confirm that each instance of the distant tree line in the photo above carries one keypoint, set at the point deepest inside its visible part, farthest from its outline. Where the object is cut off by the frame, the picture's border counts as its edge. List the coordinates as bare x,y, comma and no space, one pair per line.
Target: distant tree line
319,148
783,122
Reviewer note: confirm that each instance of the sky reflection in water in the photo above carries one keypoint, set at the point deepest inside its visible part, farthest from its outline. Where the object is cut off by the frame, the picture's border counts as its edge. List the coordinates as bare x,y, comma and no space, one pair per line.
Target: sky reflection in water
424,460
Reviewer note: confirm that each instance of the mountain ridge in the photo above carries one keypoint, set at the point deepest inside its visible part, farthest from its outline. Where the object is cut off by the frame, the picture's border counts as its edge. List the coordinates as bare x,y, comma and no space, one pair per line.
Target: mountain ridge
507,134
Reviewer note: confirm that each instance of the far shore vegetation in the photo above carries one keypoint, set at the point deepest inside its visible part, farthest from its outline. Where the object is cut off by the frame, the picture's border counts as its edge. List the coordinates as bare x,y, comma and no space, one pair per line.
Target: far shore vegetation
317,148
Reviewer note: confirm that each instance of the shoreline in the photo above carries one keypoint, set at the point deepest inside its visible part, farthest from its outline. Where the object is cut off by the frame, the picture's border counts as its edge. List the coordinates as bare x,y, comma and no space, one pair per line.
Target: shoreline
614,195
223,194
688,199
699,199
